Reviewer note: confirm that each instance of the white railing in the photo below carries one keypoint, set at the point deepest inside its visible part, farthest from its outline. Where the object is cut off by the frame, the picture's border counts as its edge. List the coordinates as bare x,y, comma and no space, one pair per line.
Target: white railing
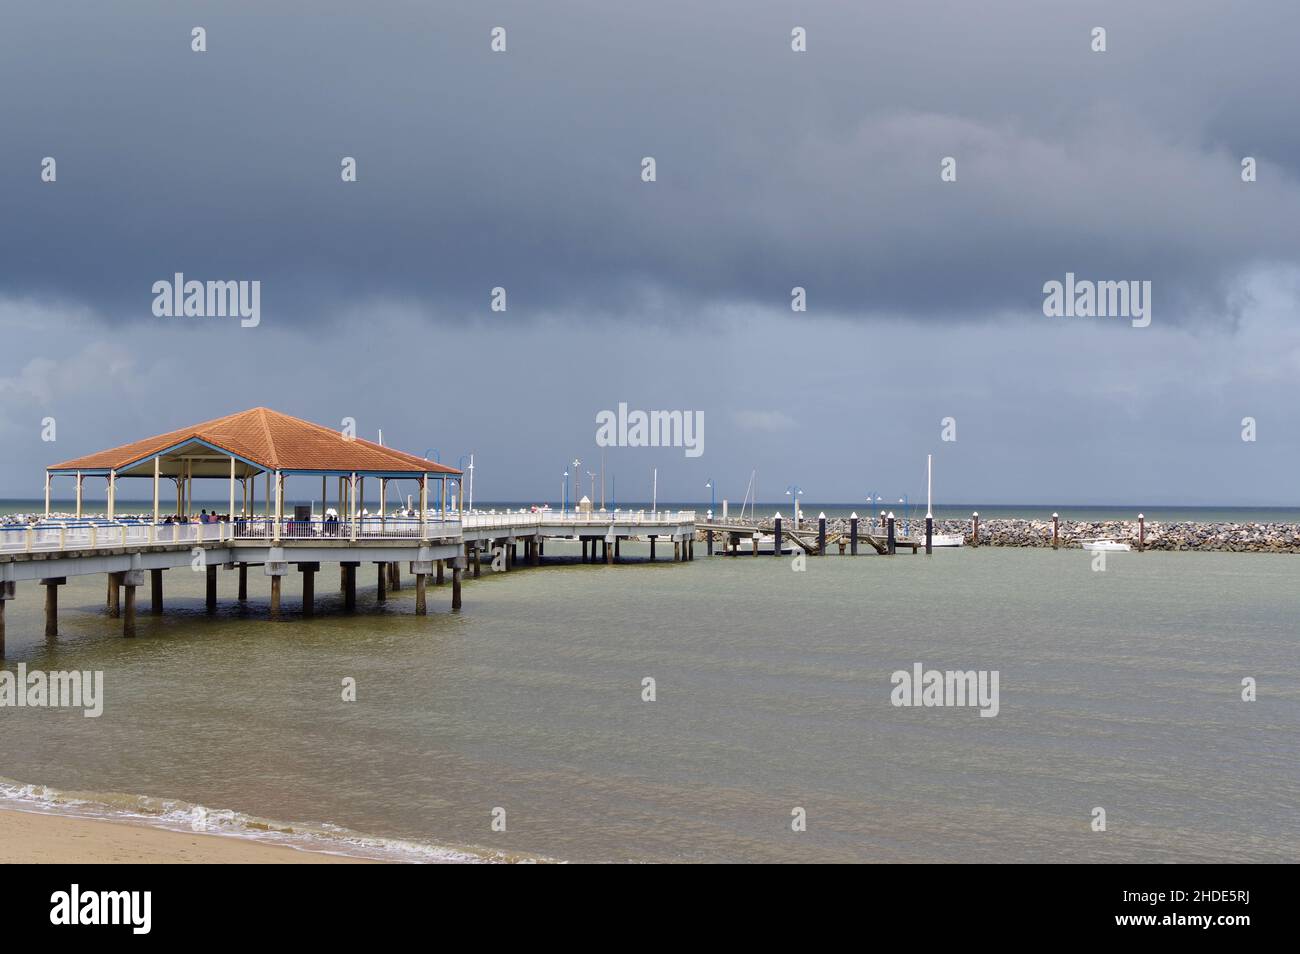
105,534
553,518
362,528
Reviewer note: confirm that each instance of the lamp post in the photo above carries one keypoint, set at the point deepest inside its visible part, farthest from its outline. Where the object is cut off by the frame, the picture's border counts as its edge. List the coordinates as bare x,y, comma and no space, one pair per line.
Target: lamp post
577,481
564,499
461,466
794,492
906,520
713,500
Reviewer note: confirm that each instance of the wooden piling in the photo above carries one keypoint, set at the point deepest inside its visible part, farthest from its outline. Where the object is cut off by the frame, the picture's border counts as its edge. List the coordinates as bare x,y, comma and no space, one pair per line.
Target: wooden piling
477,556
708,539
52,585
211,588
156,592
889,534
397,577
853,534
349,573
438,573
275,597
975,529
455,587
617,555
308,588
381,592
114,607
776,535
929,536
1056,531
7,591
821,534
652,548
1142,533
128,618
421,607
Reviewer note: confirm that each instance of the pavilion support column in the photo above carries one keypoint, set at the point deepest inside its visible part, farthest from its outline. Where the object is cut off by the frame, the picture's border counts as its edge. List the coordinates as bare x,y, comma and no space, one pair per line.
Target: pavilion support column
211,596
52,585
78,495
128,617
380,594
243,582
308,588
156,473
156,592
114,608
47,494
455,585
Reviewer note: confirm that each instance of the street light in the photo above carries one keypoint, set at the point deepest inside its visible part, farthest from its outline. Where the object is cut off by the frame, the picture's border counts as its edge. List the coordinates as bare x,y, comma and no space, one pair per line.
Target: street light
564,499
794,492
906,521
713,500
461,466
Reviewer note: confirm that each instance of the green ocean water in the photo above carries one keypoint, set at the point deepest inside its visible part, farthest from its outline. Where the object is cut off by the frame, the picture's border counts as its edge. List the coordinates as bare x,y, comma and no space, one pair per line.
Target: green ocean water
1118,689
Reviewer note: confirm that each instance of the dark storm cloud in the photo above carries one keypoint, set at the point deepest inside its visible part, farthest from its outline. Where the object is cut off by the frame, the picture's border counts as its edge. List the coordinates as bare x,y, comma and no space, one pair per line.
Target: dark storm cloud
522,169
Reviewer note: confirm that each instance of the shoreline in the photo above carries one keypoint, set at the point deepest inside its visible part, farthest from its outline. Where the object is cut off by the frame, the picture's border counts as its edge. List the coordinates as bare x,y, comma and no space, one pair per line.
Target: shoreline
32,837
38,823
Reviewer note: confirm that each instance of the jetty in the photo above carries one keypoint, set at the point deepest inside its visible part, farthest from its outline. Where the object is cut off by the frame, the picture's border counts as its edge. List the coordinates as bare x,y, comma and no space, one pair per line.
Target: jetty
855,539
262,446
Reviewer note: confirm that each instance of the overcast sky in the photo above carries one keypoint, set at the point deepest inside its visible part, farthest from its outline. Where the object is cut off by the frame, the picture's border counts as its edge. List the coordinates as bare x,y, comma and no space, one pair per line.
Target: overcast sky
775,169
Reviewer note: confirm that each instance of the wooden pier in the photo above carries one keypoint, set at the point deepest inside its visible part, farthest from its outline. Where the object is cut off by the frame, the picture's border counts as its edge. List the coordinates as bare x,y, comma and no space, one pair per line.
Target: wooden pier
438,540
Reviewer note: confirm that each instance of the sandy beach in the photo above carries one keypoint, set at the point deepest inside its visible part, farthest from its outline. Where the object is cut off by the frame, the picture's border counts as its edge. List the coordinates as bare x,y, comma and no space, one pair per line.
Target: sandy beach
31,838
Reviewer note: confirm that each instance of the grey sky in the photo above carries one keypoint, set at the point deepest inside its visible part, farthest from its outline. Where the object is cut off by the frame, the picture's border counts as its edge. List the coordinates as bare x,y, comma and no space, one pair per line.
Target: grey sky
775,169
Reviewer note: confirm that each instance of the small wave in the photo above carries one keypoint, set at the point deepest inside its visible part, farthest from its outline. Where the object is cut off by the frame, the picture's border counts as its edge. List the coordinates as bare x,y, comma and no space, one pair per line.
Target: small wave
175,814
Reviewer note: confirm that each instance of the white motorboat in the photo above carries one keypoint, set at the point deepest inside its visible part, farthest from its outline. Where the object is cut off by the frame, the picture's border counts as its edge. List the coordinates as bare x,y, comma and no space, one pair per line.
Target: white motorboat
947,540
1108,545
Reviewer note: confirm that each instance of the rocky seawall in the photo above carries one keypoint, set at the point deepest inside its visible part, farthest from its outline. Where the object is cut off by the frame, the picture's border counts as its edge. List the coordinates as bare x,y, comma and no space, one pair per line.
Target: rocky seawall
1224,537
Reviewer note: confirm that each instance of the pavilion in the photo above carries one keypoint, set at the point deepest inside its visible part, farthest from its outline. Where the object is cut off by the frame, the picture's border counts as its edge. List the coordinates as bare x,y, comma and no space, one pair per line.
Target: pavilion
241,447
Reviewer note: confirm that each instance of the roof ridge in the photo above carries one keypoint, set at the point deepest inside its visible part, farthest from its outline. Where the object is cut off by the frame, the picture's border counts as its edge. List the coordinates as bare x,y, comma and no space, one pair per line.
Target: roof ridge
273,451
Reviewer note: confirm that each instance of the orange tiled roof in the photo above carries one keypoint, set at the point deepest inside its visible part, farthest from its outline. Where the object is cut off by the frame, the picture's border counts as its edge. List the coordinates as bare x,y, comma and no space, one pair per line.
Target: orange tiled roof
272,440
